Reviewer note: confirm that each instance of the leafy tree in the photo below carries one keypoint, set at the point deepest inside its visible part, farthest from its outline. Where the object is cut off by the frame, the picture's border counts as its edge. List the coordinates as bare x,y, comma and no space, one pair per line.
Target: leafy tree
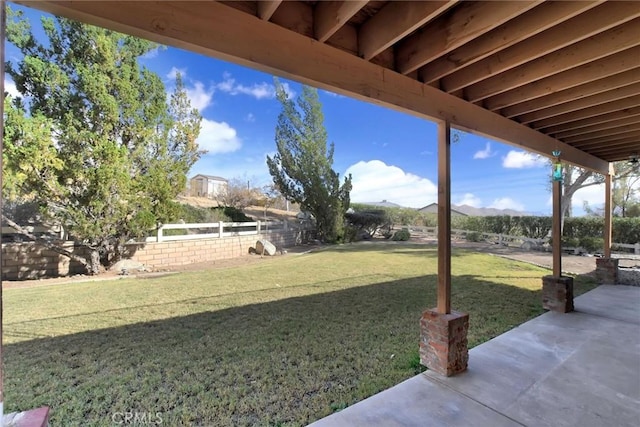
302,167
94,142
576,178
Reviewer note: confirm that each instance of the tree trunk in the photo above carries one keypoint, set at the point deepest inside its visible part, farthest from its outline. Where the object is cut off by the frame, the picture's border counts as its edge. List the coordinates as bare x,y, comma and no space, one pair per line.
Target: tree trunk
88,265
94,262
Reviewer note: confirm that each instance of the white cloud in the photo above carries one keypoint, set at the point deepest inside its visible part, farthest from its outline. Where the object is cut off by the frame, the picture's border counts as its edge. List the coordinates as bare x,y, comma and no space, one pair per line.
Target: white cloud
262,90
199,96
332,94
152,53
10,88
506,203
468,199
593,195
174,73
522,160
250,118
484,154
374,181
218,137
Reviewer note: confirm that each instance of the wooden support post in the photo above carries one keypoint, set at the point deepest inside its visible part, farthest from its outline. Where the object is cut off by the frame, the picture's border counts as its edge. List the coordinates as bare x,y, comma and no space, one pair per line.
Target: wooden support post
556,230
444,218
3,23
608,205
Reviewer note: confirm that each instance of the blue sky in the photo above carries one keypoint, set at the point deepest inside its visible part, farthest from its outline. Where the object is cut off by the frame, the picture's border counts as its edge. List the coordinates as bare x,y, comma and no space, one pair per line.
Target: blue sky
391,156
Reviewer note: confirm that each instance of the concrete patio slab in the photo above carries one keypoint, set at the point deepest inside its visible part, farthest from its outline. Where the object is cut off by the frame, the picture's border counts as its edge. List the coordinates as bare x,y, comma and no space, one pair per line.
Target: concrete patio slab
575,369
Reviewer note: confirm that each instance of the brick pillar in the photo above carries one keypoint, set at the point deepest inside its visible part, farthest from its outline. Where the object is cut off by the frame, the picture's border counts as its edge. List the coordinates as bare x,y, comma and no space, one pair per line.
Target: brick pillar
443,341
557,293
33,418
607,270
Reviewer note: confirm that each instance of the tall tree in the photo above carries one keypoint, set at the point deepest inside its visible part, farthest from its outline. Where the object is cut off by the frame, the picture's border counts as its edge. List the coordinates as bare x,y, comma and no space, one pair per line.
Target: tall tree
95,142
576,178
302,167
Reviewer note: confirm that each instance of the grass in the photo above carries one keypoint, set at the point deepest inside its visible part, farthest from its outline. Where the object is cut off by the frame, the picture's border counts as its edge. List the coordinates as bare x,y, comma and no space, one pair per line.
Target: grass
282,342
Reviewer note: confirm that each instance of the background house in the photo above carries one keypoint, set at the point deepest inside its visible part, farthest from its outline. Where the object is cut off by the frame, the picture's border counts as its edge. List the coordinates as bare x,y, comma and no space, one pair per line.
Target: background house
208,186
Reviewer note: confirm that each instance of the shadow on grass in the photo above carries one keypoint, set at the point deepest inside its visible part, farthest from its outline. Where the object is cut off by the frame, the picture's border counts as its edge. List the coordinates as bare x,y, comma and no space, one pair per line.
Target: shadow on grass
287,362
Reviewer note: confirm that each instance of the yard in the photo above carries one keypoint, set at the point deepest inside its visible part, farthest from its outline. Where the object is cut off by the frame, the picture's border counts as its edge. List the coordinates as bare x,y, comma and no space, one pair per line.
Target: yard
283,341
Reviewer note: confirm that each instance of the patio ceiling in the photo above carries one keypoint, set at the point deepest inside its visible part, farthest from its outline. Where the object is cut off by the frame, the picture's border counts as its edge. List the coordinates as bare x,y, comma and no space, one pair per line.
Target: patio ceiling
539,75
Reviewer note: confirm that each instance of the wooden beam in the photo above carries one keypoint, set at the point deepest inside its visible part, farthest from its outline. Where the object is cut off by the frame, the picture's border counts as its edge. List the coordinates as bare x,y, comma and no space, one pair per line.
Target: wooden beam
444,218
508,34
613,124
602,68
599,46
395,21
266,8
469,20
329,16
597,110
556,228
216,30
588,24
582,103
603,133
608,212
602,85
593,121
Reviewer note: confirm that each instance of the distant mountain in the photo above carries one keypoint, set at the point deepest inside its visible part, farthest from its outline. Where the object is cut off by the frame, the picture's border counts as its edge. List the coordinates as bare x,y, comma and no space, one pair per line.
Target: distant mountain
471,211
382,204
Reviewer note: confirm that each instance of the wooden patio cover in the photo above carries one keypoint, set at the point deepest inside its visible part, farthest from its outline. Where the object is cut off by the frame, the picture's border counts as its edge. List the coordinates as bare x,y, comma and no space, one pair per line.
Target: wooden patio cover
542,75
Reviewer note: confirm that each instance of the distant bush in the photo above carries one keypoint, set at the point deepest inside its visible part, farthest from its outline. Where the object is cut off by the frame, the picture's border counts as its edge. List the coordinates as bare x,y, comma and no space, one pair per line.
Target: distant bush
401,235
369,222
592,244
474,236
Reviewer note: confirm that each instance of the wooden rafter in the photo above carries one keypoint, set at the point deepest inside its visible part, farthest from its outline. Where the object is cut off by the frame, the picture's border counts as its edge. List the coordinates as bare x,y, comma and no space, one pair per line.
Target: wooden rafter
580,28
508,34
593,88
330,16
582,140
606,142
395,21
594,121
454,30
585,113
632,90
614,124
602,68
266,8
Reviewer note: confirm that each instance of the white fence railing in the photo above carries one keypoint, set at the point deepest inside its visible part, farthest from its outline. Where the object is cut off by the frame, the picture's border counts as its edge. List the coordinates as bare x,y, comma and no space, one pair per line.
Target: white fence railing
505,239
218,230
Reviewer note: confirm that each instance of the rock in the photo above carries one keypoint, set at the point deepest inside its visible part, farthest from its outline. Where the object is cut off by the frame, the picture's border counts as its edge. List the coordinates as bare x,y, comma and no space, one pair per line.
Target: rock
125,266
265,247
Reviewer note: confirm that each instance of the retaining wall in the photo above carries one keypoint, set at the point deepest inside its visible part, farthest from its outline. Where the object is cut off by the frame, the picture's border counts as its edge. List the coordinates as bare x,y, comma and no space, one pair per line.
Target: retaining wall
22,261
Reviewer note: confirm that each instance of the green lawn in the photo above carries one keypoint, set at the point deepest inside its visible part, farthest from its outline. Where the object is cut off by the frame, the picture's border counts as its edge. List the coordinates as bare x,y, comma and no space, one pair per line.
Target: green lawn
284,341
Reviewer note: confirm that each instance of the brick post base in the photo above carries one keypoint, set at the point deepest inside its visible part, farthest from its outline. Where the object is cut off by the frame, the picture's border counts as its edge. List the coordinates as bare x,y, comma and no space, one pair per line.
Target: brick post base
34,418
607,270
557,293
443,341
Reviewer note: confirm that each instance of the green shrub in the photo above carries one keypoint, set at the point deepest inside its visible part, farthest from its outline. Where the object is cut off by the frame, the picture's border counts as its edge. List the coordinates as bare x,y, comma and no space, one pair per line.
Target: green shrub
369,221
592,244
401,235
474,236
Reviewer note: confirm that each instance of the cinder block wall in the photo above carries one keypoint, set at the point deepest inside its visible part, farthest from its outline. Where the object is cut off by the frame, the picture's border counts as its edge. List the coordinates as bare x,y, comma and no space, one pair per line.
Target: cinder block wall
22,261
28,260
